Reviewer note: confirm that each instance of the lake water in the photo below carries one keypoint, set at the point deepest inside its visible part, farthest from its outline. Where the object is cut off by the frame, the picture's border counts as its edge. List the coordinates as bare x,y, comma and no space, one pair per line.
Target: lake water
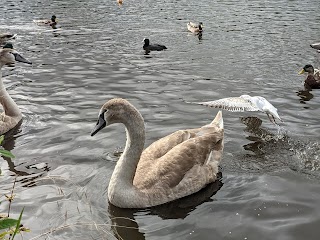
269,188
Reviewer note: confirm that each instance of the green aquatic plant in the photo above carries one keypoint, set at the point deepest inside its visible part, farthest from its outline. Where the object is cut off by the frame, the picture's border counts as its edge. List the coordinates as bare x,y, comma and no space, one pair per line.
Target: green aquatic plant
9,227
3,152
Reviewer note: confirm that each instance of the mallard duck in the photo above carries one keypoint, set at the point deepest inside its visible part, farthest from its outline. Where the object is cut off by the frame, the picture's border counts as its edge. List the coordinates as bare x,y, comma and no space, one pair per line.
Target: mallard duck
12,114
152,47
173,167
315,45
245,103
313,78
50,22
195,28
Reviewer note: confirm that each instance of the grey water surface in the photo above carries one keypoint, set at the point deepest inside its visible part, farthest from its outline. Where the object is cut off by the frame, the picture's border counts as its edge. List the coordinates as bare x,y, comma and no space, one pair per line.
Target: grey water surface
270,183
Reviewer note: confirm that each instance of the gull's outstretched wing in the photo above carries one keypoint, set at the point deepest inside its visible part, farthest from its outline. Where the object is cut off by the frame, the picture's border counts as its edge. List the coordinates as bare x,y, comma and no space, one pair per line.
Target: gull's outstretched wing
233,104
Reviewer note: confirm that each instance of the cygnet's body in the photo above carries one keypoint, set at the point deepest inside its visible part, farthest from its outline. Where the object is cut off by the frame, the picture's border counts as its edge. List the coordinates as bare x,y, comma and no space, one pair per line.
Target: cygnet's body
173,167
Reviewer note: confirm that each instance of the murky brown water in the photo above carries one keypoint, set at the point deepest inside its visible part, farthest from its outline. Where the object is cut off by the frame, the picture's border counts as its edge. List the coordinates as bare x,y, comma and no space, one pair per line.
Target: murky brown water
270,182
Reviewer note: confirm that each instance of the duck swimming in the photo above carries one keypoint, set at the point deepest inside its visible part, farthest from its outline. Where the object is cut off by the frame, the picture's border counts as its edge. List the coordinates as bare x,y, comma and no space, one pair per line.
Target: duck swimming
245,103
50,22
173,167
152,47
313,78
195,28
12,114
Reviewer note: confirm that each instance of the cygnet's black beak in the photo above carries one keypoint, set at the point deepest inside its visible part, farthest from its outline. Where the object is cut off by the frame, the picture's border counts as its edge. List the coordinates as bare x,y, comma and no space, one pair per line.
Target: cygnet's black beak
100,124
19,58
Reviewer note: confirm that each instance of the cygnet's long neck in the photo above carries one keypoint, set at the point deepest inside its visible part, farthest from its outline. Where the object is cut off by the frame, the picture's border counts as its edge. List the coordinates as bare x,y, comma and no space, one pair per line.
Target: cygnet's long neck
121,191
10,107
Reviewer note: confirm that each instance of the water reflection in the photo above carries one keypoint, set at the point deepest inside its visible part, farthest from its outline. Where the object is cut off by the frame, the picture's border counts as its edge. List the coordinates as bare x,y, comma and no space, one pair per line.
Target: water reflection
255,146
305,95
253,126
9,144
56,33
27,179
146,53
181,208
264,143
124,223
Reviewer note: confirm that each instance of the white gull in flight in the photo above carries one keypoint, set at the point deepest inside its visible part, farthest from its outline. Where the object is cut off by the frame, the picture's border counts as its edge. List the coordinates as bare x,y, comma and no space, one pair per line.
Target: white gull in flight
245,103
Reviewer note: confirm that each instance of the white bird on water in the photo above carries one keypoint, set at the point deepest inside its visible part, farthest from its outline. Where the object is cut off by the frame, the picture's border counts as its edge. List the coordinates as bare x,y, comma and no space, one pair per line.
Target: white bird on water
245,103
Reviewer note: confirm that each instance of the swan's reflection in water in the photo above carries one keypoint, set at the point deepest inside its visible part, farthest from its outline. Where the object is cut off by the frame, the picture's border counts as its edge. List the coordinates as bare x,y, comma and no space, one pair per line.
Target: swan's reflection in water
124,225
26,178
9,144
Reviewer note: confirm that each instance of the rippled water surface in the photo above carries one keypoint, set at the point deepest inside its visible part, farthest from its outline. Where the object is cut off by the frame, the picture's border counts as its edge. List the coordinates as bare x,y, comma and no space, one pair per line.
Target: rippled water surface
270,177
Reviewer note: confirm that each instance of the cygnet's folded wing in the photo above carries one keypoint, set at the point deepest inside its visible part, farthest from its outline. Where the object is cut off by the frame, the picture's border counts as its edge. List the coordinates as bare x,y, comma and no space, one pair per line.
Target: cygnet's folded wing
233,104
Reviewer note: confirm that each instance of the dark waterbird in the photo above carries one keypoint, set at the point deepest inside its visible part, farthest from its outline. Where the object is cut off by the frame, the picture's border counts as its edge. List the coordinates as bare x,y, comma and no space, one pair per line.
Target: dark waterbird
313,78
152,47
